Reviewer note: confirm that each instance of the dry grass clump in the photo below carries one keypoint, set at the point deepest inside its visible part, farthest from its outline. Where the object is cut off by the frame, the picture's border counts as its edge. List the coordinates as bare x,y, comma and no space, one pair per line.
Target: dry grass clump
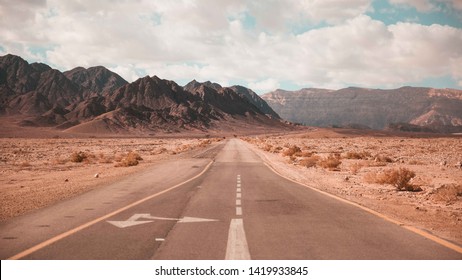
80,156
159,151
382,158
276,149
183,148
356,155
309,161
267,147
448,193
331,162
355,167
131,159
399,178
292,150
205,143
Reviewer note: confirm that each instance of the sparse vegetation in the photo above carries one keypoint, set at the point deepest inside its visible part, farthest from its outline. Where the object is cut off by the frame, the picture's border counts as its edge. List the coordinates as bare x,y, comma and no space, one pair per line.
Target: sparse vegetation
78,157
267,147
131,159
357,155
448,193
292,150
399,178
355,167
382,158
331,162
309,161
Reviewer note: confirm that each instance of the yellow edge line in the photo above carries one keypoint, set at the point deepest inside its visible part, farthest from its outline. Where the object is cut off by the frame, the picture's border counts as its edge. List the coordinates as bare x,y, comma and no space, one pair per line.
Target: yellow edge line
432,237
88,224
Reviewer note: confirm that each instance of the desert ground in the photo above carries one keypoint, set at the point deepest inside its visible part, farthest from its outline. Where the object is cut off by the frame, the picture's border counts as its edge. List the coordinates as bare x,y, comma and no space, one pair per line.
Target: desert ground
363,168
39,172
369,169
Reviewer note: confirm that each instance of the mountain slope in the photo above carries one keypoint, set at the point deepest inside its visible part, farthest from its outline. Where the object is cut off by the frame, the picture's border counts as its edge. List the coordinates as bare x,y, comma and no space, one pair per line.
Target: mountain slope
373,108
95,80
247,94
96,100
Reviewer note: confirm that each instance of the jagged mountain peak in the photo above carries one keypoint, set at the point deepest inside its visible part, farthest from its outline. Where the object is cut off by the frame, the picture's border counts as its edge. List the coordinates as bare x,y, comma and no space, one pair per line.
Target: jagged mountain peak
95,80
97,99
194,85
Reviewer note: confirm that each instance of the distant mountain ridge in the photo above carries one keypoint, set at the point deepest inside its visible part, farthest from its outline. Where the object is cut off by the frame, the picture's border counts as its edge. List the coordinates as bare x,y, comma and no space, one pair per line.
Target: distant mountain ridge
438,110
100,101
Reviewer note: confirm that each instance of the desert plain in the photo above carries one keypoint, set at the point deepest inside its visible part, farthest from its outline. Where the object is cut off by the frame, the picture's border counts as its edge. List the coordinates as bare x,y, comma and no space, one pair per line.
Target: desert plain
350,164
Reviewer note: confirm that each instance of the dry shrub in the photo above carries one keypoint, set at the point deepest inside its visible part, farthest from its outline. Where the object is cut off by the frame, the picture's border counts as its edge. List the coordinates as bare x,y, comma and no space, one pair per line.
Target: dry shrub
306,154
331,162
292,150
267,147
159,151
356,155
355,167
309,161
448,193
131,159
78,157
182,148
276,149
382,158
400,179
292,159
205,143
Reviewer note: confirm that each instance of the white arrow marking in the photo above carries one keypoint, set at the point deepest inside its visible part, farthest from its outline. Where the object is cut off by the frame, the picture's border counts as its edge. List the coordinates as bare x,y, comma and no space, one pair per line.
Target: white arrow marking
133,220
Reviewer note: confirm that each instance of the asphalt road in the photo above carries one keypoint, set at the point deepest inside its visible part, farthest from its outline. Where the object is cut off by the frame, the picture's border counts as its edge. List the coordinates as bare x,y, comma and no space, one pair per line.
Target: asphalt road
222,204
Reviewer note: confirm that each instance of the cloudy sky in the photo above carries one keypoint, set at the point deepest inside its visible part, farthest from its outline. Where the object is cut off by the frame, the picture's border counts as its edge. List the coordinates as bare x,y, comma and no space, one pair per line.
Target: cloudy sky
264,45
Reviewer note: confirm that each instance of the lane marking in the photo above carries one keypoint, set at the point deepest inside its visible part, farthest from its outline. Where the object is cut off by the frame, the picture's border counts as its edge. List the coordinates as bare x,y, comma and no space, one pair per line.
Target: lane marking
238,190
102,218
422,233
237,247
238,211
238,202
238,185
134,220
160,239
238,195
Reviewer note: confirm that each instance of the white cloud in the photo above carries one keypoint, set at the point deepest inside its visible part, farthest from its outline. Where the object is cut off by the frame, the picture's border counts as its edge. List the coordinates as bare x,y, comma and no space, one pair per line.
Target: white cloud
420,5
265,85
211,40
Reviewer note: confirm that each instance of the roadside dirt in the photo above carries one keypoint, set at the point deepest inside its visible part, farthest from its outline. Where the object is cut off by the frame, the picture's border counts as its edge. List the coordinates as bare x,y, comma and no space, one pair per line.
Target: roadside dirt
436,163
35,173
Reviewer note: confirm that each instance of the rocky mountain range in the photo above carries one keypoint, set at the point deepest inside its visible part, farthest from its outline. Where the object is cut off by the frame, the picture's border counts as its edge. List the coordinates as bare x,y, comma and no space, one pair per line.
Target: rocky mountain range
96,100
406,108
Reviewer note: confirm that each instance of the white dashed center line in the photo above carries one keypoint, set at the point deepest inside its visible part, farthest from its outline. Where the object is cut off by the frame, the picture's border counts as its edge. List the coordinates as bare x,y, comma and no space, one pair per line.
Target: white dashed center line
237,248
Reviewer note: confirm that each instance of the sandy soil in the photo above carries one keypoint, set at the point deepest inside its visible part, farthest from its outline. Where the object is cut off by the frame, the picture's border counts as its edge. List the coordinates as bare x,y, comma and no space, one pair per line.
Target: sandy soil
435,161
35,173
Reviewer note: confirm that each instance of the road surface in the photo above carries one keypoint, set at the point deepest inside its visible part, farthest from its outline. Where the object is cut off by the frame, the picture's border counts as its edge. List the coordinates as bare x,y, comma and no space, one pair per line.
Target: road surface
222,204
